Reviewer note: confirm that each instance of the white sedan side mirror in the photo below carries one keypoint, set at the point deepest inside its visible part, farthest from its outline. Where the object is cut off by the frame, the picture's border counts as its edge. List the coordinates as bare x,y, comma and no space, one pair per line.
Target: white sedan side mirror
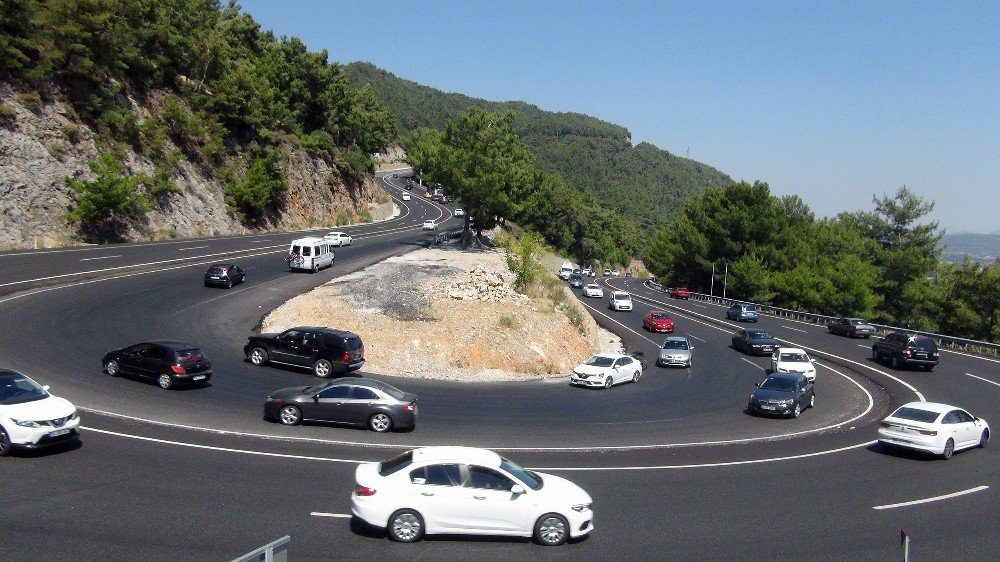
517,489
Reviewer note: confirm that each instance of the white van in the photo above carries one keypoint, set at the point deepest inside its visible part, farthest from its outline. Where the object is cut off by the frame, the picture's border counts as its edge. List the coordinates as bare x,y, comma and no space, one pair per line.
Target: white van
565,271
310,254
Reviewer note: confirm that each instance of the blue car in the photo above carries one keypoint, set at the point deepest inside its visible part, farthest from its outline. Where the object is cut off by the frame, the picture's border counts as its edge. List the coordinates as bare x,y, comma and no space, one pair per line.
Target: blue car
742,312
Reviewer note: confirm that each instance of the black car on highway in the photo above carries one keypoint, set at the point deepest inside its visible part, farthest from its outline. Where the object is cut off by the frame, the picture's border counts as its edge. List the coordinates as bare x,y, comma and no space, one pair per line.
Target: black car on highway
576,280
224,275
906,350
782,394
168,363
754,342
324,350
851,327
350,400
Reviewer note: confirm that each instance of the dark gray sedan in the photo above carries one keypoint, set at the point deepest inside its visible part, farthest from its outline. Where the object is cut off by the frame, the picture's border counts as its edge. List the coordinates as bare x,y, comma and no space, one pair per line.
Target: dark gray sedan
754,342
351,400
783,394
851,327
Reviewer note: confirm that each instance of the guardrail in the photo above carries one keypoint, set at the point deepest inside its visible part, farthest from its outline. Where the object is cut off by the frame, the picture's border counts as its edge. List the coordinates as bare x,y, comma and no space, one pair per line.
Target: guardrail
973,346
276,551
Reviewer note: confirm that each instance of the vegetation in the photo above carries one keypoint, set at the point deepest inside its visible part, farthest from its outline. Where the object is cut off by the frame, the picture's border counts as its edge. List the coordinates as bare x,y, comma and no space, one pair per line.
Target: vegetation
106,204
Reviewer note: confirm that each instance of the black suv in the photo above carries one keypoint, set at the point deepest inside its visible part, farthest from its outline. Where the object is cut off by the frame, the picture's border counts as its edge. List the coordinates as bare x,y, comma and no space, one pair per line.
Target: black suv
169,363
324,350
902,350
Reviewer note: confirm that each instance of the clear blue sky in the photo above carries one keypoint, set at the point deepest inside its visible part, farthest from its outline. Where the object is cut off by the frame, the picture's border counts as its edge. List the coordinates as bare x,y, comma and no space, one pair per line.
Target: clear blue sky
833,101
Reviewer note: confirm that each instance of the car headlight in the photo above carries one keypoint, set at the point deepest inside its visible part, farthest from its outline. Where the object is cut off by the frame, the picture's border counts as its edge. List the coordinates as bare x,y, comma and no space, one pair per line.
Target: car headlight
788,402
580,507
25,423
73,416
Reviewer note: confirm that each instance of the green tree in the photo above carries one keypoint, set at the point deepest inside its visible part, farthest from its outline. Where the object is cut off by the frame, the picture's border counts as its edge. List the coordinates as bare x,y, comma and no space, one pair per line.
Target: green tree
260,189
109,202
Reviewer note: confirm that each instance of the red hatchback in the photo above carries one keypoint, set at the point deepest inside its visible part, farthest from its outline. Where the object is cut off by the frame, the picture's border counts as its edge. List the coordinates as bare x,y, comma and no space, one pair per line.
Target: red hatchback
658,321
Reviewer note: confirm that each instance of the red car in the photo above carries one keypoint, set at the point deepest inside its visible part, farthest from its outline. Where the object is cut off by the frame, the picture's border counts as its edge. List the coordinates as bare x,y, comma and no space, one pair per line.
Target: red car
680,293
658,321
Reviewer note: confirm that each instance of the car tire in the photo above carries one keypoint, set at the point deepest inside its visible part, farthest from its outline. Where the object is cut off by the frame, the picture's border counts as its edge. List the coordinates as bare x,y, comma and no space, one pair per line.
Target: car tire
380,422
229,283
609,381
929,368
405,525
5,445
323,368
551,529
797,411
949,449
688,364
258,356
635,376
315,267
290,415
894,363
984,438
875,356
112,368
165,382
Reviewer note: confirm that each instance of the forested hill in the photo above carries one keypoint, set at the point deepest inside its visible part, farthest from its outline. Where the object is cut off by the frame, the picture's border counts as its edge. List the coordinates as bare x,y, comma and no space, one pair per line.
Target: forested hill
594,156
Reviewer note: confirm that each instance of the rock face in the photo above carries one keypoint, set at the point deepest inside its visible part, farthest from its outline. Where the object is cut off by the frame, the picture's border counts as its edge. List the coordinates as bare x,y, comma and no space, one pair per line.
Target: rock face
41,144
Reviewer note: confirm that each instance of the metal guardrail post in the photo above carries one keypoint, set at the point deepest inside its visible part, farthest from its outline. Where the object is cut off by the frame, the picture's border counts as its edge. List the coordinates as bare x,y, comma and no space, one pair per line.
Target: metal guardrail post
276,551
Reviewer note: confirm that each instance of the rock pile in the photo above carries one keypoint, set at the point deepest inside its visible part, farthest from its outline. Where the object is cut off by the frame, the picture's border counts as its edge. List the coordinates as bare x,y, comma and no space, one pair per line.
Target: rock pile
481,284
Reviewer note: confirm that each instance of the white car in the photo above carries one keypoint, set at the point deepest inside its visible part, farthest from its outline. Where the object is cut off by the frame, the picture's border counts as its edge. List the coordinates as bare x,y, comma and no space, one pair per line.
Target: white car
406,197
606,370
934,428
593,290
338,239
430,225
30,417
620,300
614,273
463,490
793,360
459,212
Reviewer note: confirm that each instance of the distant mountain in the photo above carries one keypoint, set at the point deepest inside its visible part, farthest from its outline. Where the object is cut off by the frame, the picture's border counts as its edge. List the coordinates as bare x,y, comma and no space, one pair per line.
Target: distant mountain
641,182
978,247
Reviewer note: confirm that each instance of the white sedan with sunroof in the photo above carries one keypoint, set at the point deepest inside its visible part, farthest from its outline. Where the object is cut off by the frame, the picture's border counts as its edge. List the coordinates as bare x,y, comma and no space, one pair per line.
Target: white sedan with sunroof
593,290
933,428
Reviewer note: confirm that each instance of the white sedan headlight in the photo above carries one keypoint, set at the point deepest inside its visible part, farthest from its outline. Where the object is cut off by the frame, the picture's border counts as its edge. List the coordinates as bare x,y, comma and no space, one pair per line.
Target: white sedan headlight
25,423
581,507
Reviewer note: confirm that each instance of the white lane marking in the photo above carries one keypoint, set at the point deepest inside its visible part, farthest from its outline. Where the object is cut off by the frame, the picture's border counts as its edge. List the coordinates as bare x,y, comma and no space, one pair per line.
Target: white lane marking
946,350
796,329
337,515
100,258
191,248
698,305
934,499
751,362
862,345
697,338
871,405
982,379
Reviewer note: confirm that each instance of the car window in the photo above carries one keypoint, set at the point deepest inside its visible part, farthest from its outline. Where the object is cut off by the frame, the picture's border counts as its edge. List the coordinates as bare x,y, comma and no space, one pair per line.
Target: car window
395,464
309,338
393,391
926,344
306,250
156,353
18,389
291,336
780,384
675,344
188,355
338,391
363,393
599,361
950,417
915,414
487,478
622,362
296,249
437,475
794,357
964,417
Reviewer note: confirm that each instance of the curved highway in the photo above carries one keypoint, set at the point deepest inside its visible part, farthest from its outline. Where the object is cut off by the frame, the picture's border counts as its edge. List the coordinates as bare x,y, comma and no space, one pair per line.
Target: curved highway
674,464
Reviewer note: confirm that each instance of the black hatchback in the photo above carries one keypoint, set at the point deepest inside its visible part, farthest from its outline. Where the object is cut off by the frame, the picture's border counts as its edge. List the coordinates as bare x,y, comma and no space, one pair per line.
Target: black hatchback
350,400
224,275
169,363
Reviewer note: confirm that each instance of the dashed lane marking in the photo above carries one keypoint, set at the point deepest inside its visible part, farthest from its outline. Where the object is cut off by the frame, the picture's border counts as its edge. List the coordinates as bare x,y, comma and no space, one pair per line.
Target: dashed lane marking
796,329
934,499
100,258
337,515
191,248
982,379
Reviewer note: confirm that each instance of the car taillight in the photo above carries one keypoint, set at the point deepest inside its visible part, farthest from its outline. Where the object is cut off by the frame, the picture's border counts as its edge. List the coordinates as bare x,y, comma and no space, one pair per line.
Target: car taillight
345,357
178,369
884,424
936,354
409,407
364,490
906,352
927,432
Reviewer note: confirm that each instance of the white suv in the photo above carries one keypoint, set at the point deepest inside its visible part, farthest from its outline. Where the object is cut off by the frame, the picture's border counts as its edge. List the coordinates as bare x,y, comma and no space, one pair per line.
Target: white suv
463,490
30,417
430,225
793,360
620,300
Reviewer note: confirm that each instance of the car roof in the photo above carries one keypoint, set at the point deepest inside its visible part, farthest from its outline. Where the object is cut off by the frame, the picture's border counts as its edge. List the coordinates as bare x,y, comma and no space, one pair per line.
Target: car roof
620,293
222,265
593,285
337,233
791,350
658,312
931,406
793,376
473,455
611,355
173,345
676,338
308,240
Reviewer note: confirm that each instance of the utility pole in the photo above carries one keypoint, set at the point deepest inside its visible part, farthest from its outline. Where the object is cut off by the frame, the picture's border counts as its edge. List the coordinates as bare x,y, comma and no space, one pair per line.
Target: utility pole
711,285
725,281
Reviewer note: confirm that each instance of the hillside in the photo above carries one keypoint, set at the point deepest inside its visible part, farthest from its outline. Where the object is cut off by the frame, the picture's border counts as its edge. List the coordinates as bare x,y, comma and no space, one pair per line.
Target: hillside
594,156
983,248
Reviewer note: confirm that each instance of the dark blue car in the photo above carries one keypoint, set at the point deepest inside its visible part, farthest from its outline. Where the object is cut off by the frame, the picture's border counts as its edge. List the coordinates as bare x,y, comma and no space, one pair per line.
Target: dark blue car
783,394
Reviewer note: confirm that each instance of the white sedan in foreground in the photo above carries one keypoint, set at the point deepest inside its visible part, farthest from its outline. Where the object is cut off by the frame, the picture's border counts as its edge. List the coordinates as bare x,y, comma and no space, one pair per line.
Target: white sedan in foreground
30,417
934,428
430,225
463,490
606,370
593,290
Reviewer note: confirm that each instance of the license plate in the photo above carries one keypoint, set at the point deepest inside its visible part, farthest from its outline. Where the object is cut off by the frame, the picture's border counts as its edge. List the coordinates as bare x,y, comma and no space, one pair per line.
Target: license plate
770,407
59,432
214,276
198,377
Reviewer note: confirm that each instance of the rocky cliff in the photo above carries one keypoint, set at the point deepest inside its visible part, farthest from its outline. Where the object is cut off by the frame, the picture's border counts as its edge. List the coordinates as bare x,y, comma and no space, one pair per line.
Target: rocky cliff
43,142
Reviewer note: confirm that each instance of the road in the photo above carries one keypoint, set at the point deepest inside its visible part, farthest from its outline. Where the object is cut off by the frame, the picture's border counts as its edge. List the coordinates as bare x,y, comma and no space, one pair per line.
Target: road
676,467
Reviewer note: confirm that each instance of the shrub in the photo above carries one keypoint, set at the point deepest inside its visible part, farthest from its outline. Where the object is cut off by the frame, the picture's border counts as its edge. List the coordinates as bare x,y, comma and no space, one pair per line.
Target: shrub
344,217
508,321
104,205
32,101
71,132
365,216
260,188
354,165
8,117
521,260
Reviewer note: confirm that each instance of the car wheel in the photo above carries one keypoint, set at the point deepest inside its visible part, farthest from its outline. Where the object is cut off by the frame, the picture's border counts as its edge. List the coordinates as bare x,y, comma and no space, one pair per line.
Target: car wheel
290,415
797,411
949,449
5,446
111,368
551,529
984,438
635,377
165,381
380,422
875,356
895,363
229,283
406,525
323,368
608,381
315,267
812,400
258,356
689,364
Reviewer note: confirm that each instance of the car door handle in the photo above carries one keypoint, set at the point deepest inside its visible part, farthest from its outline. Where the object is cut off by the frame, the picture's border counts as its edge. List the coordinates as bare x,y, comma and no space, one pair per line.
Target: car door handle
479,497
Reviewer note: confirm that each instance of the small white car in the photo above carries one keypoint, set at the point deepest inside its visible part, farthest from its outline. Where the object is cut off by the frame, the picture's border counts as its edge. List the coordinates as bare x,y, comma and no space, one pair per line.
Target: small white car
939,429
614,273
338,239
30,417
430,225
464,490
793,360
593,290
620,300
606,370
406,197
459,212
